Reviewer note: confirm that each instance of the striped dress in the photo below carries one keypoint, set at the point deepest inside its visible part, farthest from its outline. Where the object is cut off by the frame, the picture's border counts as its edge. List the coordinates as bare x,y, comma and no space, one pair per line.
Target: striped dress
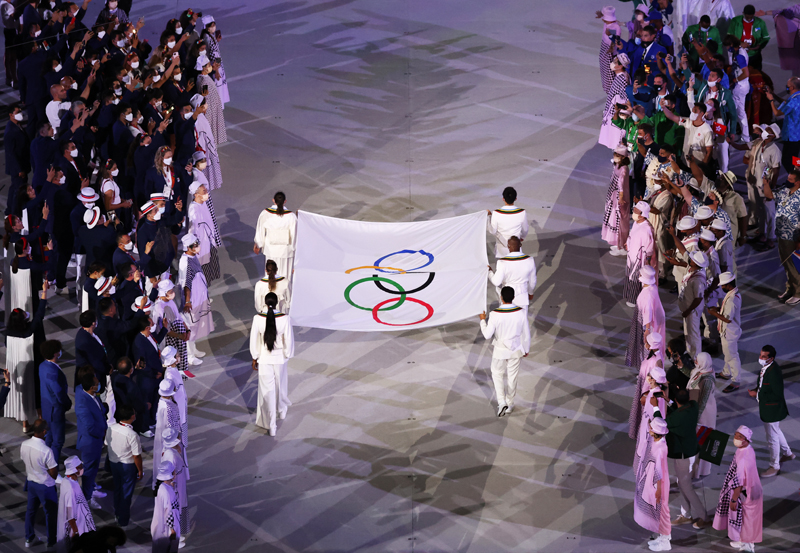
610,134
615,223
640,248
606,74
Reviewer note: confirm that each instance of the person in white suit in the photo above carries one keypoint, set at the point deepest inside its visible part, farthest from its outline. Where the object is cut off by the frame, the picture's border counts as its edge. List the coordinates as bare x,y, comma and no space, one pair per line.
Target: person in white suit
272,283
516,270
512,341
271,347
506,222
276,231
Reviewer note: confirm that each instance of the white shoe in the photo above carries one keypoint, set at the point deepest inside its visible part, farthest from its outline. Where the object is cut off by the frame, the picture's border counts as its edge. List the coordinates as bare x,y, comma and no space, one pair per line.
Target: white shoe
148,434
661,544
182,543
614,249
94,504
749,547
619,252
198,353
510,408
282,414
273,430
501,410
736,544
98,493
192,360
629,304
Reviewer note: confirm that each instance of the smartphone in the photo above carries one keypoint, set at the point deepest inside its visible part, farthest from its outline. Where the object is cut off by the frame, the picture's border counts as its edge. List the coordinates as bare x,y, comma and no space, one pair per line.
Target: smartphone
218,34
205,89
669,58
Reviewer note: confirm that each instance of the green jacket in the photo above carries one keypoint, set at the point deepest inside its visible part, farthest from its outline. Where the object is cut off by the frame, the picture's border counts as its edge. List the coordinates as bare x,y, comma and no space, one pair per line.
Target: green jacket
726,105
667,132
771,403
682,437
760,33
702,36
630,127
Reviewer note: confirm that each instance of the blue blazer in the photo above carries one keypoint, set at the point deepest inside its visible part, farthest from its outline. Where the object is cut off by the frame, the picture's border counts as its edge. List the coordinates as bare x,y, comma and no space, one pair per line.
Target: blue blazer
53,388
92,423
639,60
143,349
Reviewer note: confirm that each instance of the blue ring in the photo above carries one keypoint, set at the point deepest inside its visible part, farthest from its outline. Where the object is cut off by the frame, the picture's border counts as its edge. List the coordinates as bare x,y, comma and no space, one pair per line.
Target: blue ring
423,252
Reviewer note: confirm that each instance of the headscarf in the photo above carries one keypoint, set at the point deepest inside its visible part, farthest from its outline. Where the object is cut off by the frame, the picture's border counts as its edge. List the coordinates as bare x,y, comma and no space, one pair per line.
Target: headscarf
703,367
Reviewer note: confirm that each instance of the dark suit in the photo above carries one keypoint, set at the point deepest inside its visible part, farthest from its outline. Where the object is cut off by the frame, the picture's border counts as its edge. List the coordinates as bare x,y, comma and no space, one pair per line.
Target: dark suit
147,378
116,335
89,352
120,257
127,392
92,426
126,296
17,149
99,244
55,404
43,152
771,401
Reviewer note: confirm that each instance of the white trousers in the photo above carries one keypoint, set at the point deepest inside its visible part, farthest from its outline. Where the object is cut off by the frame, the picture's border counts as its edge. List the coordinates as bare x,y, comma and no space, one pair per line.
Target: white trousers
730,350
80,268
500,369
721,153
776,442
691,329
283,388
740,91
268,377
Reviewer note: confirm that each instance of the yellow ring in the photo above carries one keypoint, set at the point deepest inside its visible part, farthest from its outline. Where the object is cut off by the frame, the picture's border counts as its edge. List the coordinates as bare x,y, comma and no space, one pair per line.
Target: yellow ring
400,271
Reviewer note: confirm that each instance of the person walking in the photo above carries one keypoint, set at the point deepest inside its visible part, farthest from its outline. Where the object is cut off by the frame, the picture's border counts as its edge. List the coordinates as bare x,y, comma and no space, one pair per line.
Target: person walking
276,231
641,249
92,426
651,502
74,516
125,459
41,470
278,285
729,321
507,221
516,270
165,527
197,304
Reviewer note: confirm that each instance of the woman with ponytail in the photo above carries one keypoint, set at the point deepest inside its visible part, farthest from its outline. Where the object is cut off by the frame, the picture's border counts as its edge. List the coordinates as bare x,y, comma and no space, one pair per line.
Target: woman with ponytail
271,347
275,235
272,283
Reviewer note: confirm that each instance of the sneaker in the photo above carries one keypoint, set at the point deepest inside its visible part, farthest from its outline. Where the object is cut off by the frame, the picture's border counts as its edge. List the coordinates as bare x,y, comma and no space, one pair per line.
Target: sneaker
787,458
34,542
629,304
749,547
199,353
730,388
785,296
722,376
147,434
282,414
619,253
736,544
793,300
99,493
699,524
94,504
661,545
192,360
681,520
770,472
510,408
273,430
501,410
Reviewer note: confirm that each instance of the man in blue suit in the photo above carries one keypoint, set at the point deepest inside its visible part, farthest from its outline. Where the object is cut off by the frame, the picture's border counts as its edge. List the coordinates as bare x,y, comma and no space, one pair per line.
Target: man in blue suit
92,426
55,399
644,52
148,359
90,350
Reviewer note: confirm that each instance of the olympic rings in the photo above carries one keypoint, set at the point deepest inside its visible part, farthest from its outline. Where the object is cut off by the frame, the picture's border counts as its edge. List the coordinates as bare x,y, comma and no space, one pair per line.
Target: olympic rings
382,288
399,300
423,252
399,271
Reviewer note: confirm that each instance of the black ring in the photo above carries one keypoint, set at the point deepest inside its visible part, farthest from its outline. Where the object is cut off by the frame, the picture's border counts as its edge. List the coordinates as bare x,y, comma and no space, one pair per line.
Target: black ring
414,291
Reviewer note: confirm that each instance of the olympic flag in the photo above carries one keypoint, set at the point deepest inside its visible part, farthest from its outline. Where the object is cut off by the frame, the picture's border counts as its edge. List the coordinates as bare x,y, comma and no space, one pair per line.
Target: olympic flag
355,275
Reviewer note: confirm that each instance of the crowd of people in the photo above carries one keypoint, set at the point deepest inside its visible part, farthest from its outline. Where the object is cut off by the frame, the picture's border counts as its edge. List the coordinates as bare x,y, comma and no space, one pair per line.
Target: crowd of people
112,155
674,111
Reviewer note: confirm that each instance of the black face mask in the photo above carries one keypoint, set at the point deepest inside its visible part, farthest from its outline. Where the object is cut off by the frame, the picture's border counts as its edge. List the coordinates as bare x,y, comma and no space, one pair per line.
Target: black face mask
646,43
662,159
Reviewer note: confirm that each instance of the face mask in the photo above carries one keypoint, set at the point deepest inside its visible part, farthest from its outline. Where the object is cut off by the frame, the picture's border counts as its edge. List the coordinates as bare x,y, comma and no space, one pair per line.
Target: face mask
118,91
37,33
187,115
763,362
738,443
634,117
129,246
157,215
115,172
156,78
171,44
158,104
201,54
57,68
694,116
18,117
115,101
129,117
647,43
120,44
765,135
126,79
636,216
167,161
140,120
662,159
177,76
705,29
637,40
135,65
74,153
62,180
178,30
161,210
93,63
613,66
712,83
153,329
170,296
101,34
202,167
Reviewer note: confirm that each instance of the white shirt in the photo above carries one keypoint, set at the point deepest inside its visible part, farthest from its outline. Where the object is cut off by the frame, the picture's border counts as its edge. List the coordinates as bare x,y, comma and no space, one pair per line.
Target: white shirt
283,348
761,378
52,110
506,222
509,326
110,186
281,290
38,458
123,443
269,221
518,271
696,139
731,309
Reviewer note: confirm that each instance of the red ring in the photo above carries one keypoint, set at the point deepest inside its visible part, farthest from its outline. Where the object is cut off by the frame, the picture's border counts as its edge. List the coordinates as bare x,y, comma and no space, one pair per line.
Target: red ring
422,303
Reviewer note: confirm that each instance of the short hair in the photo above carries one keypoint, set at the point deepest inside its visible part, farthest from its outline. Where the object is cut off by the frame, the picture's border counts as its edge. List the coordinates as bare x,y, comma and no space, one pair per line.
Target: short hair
105,305
650,29
640,76
647,128
795,172
719,72
667,148
677,344
731,283
795,82
87,318
65,146
731,40
507,293
749,9
95,267
660,75
705,19
701,106
142,324
120,235
124,270
515,241
124,365
124,412
682,396
770,350
670,98
39,426
86,377
509,194
49,348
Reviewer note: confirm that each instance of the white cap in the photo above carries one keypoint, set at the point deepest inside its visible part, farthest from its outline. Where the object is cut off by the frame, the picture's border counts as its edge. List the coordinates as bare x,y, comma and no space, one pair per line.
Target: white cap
206,20
189,239
647,275
707,235
195,186
165,286
171,437
703,212
686,223
148,207
654,340
658,374
659,426
71,464
88,195
102,285
726,277
166,388
165,470
699,259
643,207
91,217
148,306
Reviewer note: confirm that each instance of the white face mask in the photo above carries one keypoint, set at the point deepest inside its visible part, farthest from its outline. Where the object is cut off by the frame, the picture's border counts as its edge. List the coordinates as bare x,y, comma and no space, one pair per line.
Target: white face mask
37,33
93,63
171,44
156,78
157,215
129,246
126,79
120,44
178,30
74,153
694,116
62,180
18,117
135,65
765,135
738,443
140,120
129,117
167,161
118,91
101,34
613,65
764,362
115,172
115,101
158,104
161,210
153,329
57,68
636,216
177,76
712,83
187,115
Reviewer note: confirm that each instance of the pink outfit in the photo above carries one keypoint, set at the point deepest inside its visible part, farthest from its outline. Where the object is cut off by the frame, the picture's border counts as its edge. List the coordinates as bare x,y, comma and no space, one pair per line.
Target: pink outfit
640,244
643,440
649,513
649,304
746,522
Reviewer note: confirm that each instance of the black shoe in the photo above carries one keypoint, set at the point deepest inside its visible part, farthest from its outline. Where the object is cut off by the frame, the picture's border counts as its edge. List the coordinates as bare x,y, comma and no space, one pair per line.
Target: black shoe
730,388
721,376
785,296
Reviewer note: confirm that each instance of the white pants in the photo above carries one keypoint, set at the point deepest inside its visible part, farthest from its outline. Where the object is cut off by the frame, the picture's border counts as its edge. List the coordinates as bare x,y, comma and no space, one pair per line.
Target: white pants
776,442
268,377
691,329
740,91
730,350
721,153
80,268
283,388
501,368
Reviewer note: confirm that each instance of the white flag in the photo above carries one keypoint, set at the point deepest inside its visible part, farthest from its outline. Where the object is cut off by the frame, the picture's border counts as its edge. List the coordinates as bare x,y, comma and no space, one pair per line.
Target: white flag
354,275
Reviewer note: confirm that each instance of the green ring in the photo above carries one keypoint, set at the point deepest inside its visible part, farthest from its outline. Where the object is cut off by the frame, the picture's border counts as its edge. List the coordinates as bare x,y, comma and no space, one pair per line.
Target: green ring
375,279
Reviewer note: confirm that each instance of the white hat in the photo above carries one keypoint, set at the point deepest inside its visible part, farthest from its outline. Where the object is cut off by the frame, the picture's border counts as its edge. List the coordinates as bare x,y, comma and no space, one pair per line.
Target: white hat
726,277
189,239
168,355
88,195
621,150
654,340
71,464
686,223
148,207
148,306
699,259
658,374
719,224
703,212
730,176
91,217
707,235
171,437
776,129
196,100
643,207
659,426
647,275
158,196
166,388
624,60
643,8
165,470
206,20
694,184
102,285
195,186
198,155
609,14
165,286
202,61
746,432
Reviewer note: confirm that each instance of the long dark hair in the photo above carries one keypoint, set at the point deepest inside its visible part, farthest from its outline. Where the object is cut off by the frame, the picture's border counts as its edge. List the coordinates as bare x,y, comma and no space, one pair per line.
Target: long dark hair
19,249
8,223
271,269
16,321
271,330
280,199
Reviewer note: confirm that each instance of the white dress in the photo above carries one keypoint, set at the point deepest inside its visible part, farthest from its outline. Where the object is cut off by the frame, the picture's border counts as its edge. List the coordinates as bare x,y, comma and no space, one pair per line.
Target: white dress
167,416
181,476
71,505
281,290
166,517
273,379
21,296
276,235
205,139
190,275
175,377
21,401
204,226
